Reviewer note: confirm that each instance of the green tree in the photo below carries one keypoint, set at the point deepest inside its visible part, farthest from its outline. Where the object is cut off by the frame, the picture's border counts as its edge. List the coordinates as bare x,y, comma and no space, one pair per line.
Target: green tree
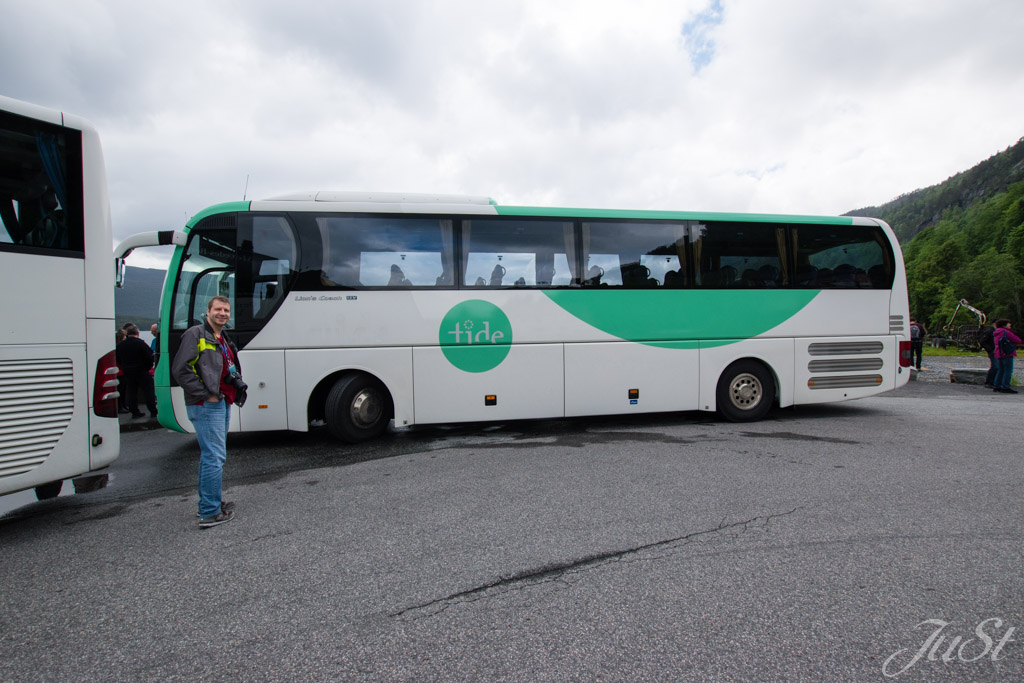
1004,287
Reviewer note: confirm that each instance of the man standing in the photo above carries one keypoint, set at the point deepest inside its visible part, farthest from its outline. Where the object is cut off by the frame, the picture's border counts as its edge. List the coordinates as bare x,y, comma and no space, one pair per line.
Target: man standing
206,367
135,358
917,333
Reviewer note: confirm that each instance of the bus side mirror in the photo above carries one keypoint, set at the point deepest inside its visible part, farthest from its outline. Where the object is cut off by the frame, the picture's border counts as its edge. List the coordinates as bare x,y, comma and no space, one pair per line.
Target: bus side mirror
158,238
119,272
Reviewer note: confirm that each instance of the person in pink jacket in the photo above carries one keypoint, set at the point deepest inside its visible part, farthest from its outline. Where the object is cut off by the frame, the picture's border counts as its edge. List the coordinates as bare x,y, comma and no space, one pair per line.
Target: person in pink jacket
1005,353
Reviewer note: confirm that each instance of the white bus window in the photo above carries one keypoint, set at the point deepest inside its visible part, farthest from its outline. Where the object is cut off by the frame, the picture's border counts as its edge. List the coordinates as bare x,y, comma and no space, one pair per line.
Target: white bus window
742,256
635,254
388,251
207,270
274,253
842,257
517,253
41,192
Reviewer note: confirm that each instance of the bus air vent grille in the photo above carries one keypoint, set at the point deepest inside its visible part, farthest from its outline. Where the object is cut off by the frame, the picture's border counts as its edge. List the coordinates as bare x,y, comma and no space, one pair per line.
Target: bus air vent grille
845,348
845,365
896,324
219,220
37,400
844,382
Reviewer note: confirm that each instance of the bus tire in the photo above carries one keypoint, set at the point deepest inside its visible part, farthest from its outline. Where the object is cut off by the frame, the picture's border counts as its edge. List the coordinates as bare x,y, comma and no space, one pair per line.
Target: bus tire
358,408
745,392
49,490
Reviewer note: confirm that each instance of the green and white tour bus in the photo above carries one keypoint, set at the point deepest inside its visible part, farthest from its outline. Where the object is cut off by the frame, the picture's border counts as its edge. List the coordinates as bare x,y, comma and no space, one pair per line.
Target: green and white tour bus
355,309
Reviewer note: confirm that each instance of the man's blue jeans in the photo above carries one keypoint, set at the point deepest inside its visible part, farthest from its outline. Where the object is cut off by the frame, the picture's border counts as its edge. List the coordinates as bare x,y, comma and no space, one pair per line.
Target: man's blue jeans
1004,372
211,424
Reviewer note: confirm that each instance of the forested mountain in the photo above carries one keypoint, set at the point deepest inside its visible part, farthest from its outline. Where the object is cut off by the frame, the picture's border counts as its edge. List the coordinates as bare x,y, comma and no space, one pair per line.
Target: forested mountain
964,239
911,213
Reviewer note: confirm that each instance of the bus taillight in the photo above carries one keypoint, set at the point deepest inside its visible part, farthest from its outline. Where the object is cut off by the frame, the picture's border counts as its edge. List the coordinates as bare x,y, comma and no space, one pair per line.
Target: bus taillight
905,360
104,395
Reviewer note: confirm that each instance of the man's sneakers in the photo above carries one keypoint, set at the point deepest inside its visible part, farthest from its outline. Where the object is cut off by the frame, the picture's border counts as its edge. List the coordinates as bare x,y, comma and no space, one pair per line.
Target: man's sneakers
226,514
217,519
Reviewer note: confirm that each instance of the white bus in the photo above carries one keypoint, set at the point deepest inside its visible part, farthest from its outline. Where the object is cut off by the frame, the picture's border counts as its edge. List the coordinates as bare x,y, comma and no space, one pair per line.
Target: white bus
354,309
58,374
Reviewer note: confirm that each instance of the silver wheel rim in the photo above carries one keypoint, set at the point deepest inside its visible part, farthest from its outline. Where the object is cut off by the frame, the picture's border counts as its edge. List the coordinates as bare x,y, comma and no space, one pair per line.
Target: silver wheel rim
366,408
745,391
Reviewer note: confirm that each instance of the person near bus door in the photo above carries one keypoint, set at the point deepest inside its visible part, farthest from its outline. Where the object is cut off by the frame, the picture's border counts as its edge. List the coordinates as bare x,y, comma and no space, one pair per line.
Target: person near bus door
207,369
135,358
154,329
917,333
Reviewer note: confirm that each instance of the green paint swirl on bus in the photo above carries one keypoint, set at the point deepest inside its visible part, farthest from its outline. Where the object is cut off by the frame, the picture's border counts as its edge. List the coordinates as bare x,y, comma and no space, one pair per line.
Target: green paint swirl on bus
681,318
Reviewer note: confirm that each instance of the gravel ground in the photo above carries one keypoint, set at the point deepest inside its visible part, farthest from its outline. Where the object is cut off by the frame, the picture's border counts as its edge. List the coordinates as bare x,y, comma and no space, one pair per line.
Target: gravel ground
937,368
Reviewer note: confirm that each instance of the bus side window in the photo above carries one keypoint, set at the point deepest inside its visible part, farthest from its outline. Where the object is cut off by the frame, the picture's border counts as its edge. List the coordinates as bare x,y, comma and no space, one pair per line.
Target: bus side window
274,253
520,253
396,252
842,257
41,193
738,255
207,268
635,254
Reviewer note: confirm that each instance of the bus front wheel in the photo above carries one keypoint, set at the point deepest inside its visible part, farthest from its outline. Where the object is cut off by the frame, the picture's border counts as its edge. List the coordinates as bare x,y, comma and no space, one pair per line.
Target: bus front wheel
357,408
746,391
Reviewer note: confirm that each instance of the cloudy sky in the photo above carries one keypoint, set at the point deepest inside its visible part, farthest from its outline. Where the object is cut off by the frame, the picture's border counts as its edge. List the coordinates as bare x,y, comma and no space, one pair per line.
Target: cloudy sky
789,106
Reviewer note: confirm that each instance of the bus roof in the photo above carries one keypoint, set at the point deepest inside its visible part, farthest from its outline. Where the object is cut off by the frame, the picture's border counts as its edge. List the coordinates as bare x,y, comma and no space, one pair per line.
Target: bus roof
399,202
381,198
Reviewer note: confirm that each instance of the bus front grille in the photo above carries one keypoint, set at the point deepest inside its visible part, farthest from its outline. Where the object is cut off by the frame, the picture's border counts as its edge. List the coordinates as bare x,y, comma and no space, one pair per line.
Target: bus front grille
37,400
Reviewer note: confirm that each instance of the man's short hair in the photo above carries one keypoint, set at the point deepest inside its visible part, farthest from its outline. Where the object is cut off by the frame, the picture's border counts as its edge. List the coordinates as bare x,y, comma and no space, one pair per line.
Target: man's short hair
131,330
222,299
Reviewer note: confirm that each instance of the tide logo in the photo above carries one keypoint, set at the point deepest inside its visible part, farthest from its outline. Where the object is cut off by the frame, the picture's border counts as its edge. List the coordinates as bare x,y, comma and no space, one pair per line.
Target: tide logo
475,336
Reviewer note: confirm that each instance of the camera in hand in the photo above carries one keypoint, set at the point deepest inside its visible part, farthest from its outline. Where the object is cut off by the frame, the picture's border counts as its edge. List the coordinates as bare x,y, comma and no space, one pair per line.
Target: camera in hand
235,380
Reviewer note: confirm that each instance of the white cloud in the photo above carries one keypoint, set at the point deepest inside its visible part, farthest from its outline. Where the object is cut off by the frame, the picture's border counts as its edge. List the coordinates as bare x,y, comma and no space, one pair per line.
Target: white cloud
792,106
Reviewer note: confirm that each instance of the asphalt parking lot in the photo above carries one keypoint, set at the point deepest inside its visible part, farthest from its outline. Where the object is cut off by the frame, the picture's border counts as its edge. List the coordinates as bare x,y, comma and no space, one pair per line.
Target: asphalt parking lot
825,543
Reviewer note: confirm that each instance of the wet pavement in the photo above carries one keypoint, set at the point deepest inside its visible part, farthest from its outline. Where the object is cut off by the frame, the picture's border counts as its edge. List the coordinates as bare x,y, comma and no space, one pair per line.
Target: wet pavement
139,424
809,546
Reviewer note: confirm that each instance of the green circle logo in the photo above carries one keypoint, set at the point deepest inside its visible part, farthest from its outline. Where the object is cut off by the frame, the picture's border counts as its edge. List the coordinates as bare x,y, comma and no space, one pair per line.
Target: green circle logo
475,336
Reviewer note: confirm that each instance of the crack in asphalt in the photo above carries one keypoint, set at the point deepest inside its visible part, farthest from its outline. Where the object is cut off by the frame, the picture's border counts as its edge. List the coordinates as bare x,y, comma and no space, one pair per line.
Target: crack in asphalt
556,571
793,436
564,440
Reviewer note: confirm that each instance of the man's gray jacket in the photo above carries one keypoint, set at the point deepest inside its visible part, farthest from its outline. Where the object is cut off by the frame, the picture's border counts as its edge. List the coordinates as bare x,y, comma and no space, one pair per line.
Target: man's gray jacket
199,363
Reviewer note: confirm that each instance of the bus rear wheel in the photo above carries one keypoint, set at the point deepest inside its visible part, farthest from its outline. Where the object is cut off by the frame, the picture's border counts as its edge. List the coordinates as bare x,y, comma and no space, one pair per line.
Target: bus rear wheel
358,408
746,392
